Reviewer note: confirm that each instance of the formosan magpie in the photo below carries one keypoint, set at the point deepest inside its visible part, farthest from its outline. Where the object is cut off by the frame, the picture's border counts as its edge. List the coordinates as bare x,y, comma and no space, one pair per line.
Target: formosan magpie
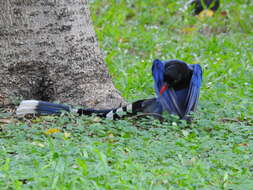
177,86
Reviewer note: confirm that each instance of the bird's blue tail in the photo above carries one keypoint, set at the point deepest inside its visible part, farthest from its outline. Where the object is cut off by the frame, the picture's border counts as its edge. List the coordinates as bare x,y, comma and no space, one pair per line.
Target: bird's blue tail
40,107
46,108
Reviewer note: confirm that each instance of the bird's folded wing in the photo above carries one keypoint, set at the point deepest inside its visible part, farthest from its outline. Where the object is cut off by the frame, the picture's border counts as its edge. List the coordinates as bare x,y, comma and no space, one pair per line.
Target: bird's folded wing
194,89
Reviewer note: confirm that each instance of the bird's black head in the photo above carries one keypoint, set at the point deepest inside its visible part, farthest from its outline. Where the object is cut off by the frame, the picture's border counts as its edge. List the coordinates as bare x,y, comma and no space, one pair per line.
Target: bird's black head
176,72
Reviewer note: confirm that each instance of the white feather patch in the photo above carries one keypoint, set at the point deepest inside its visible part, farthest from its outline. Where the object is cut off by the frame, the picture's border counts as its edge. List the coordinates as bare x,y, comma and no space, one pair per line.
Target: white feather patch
24,111
129,108
120,112
110,115
29,103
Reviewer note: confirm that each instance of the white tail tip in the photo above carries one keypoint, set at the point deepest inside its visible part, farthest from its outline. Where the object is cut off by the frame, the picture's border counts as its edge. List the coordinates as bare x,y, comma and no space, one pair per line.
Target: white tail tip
27,107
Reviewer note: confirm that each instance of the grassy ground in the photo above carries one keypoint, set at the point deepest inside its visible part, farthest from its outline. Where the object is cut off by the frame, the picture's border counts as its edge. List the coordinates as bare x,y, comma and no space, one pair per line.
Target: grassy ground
214,152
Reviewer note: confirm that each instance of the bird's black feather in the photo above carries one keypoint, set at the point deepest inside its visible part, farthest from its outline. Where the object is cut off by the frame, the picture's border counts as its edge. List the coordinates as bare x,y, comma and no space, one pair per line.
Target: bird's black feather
177,74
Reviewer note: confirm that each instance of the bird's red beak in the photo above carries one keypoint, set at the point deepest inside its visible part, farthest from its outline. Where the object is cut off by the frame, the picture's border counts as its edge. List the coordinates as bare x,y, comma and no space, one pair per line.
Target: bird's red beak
164,87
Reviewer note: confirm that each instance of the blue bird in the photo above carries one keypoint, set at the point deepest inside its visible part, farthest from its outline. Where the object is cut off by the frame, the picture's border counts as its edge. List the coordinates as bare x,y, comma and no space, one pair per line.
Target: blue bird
177,86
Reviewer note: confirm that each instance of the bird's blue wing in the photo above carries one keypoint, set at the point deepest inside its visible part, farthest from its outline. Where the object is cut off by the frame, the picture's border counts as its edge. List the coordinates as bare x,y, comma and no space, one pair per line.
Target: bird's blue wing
194,89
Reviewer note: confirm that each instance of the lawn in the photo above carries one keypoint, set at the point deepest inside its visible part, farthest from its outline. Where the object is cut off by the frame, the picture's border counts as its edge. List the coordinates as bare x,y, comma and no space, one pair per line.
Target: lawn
213,152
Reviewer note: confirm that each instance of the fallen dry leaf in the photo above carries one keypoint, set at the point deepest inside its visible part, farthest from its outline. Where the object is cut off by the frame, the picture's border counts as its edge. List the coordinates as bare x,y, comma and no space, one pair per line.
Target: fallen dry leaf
224,13
243,144
1,98
188,30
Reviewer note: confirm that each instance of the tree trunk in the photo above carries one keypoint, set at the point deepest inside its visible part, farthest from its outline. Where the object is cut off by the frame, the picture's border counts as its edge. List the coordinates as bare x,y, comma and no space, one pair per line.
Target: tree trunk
48,51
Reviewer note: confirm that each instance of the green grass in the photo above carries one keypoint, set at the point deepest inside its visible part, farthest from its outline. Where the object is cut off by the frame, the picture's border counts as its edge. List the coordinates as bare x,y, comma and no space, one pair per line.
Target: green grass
214,152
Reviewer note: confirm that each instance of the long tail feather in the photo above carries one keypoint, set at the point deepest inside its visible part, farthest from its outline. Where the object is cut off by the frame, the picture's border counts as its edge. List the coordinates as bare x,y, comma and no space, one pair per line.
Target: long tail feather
46,108
40,107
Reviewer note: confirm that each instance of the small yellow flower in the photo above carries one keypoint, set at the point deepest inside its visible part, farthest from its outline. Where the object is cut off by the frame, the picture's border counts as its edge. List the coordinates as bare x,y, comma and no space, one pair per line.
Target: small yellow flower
51,131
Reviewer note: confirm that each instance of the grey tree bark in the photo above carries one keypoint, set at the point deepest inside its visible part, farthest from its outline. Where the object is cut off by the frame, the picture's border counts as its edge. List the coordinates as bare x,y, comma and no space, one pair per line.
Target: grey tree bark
48,51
